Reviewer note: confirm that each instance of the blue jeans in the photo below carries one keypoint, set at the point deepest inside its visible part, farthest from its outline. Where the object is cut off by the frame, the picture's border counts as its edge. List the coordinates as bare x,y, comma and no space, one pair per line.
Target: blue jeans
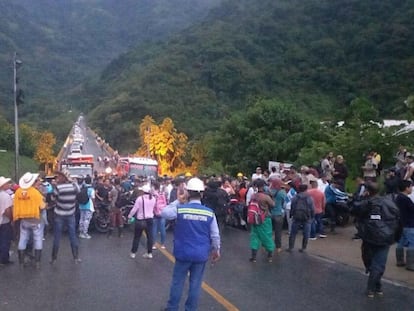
158,226
27,228
296,226
181,268
407,238
59,223
375,260
317,226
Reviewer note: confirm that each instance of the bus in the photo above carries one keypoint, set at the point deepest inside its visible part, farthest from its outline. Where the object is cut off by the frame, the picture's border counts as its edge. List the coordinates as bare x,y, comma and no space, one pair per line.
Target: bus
137,166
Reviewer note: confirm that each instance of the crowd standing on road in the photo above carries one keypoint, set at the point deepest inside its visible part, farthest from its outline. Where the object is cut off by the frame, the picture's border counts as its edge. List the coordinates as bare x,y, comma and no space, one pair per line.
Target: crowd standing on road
308,199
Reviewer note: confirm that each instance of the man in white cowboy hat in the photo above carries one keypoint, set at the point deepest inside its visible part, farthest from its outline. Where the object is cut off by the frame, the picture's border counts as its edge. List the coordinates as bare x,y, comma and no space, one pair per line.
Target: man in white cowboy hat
6,230
28,201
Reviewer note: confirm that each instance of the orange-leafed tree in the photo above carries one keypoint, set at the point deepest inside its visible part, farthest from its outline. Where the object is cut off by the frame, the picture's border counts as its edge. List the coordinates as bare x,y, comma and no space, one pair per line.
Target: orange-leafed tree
44,149
163,143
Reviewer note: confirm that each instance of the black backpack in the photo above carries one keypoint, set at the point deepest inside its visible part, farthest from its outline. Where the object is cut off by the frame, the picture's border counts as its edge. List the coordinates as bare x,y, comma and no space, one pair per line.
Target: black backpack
301,210
380,226
83,197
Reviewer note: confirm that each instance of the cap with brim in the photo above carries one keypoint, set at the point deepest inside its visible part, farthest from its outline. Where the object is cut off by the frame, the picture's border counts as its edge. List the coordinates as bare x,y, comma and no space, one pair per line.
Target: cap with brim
4,180
27,180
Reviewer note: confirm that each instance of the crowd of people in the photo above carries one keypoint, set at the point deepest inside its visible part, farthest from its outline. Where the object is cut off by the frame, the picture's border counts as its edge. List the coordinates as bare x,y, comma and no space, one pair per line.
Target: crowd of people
307,199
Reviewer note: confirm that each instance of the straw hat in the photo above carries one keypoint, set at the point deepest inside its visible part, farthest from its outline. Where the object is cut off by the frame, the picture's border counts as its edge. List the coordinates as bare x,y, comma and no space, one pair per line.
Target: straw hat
4,180
27,180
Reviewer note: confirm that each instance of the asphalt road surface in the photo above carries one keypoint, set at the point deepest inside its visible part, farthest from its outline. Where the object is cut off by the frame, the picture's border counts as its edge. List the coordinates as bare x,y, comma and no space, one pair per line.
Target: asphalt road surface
108,279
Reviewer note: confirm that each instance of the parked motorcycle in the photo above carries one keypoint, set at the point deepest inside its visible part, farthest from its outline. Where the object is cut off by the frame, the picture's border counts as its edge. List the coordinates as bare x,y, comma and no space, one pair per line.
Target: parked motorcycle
100,217
235,215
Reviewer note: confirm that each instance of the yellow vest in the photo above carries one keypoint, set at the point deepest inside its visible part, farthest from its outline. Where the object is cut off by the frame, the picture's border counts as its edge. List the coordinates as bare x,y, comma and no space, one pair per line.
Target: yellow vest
27,203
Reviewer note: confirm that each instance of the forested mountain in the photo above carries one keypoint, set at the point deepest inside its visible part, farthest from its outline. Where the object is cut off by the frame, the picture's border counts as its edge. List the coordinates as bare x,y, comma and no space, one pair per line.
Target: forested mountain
317,54
61,42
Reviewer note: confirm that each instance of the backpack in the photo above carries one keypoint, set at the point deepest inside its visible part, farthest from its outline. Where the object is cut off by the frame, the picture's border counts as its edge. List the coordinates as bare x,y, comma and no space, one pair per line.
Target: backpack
160,203
382,223
255,214
301,211
83,197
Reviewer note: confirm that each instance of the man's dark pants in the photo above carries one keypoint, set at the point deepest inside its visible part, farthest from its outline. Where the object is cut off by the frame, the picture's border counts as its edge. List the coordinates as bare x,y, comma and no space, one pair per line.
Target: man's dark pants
375,260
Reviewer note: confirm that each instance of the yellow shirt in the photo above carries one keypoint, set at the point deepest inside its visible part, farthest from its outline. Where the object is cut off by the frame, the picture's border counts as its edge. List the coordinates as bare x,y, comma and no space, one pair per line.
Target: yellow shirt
27,203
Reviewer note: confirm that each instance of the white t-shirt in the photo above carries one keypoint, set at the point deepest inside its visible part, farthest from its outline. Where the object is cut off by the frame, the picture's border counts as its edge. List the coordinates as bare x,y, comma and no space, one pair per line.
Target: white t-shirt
5,202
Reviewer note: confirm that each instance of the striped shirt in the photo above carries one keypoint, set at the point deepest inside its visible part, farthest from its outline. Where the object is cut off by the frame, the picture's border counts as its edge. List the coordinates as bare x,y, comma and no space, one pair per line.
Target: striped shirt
66,199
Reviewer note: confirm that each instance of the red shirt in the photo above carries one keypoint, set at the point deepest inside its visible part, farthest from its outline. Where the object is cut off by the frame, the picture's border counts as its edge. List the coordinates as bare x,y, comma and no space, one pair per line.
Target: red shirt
318,198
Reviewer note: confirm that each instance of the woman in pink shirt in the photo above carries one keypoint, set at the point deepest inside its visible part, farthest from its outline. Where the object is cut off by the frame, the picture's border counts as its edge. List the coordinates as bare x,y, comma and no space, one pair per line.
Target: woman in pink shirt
143,211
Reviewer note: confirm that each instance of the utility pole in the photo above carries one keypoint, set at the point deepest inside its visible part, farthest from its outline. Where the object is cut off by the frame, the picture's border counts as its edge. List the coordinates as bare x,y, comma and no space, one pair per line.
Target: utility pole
16,63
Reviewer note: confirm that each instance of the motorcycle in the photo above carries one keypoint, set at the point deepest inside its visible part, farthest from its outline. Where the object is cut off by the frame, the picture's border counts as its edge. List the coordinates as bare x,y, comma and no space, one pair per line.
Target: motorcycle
100,217
234,215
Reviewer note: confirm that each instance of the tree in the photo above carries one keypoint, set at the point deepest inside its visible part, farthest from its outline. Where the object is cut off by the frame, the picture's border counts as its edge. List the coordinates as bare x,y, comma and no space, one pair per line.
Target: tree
270,129
164,143
44,149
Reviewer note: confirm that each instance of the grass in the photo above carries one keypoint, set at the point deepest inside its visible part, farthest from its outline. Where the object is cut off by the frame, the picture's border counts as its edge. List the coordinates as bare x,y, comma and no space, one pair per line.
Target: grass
7,165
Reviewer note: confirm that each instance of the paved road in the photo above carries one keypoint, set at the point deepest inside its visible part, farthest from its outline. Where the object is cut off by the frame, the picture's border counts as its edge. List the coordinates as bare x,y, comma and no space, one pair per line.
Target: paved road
108,279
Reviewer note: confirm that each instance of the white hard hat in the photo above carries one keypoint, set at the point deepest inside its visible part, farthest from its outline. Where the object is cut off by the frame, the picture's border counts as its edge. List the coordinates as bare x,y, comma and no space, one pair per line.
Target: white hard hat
195,184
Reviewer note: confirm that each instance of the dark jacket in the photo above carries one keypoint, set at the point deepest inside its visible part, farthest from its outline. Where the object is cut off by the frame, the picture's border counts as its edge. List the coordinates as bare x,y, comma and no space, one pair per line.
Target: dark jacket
378,220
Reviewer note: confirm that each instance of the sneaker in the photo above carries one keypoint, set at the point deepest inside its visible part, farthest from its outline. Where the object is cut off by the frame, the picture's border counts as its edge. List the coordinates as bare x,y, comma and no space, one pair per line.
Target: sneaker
132,255
87,236
322,236
269,259
147,255
252,259
163,246
279,250
154,247
379,293
370,294
313,239
82,236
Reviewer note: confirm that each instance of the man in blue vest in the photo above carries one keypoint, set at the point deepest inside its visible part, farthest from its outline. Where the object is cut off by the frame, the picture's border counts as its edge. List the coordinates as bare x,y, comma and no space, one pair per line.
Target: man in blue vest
196,236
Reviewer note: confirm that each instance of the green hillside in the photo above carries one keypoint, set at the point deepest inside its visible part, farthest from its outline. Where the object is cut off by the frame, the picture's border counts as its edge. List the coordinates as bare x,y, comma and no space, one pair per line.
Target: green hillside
317,54
7,161
62,42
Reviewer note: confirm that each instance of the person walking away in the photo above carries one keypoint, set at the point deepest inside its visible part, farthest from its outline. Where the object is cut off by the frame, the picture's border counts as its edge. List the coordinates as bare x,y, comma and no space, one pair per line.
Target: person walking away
28,202
65,193
278,211
196,238
6,229
262,234
318,198
302,213
159,222
377,223
406,207
86,209
143,211
115,212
